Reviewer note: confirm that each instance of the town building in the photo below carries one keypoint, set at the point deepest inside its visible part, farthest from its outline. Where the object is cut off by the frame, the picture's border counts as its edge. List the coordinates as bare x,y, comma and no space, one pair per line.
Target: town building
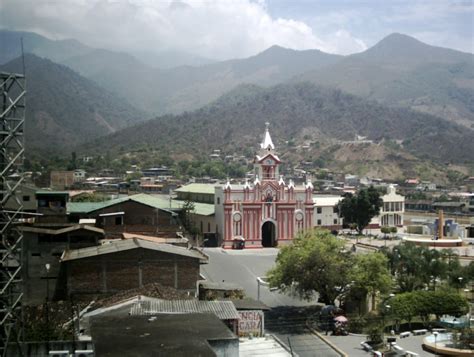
121,265
167,335
25,197
79,175
266,212
326,213
59,180
392,209
140,213
196,192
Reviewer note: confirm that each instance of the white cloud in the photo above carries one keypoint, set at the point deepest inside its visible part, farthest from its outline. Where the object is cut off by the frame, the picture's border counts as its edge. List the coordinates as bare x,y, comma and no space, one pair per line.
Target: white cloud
212,28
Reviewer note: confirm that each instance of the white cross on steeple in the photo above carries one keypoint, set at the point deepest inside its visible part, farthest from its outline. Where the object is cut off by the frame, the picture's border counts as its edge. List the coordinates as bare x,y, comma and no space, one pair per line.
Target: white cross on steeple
267,139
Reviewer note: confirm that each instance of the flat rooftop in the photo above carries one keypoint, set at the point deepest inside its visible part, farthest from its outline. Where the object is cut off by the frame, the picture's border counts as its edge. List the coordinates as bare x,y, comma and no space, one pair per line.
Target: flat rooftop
164,335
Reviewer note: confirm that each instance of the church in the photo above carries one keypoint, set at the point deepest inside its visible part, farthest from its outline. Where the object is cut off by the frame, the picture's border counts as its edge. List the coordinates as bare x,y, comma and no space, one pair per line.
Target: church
266,212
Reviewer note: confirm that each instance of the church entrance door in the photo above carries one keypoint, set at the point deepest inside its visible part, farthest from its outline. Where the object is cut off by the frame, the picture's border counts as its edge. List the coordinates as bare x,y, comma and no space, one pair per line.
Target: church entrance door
268,234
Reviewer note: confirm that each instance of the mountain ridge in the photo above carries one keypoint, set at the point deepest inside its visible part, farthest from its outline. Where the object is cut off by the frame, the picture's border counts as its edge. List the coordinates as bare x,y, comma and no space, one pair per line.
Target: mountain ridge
65,109
295,109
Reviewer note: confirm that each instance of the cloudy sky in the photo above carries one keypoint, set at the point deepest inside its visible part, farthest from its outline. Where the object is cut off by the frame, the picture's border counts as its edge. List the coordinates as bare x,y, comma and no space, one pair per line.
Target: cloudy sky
222,29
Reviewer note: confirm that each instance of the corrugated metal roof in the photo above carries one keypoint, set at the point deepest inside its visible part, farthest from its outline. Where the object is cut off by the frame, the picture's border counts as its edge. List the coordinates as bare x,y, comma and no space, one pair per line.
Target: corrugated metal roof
198,188
224,310
128,244
152,201
86,207
156,201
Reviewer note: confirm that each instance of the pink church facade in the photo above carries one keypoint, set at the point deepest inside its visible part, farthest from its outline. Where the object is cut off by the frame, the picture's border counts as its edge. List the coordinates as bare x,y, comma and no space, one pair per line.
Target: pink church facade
267,212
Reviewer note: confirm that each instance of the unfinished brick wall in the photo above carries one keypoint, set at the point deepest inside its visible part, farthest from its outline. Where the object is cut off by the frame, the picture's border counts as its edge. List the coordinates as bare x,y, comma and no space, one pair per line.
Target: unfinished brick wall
131,269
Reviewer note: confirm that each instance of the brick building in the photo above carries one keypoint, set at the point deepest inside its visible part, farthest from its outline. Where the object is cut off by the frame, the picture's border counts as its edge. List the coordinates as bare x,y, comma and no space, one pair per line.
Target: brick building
139,213
59,180
127,264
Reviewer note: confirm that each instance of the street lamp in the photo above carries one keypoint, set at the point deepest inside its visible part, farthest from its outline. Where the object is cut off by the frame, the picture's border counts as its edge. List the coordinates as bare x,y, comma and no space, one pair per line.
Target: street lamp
460,283
260,281
435,333
48,267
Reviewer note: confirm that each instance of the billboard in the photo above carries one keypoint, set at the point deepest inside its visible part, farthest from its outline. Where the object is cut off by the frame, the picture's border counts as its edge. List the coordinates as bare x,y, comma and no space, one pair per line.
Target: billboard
251,323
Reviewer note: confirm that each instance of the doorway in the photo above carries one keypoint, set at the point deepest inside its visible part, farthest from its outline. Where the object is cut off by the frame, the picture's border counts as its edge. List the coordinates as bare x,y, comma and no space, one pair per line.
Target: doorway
268,235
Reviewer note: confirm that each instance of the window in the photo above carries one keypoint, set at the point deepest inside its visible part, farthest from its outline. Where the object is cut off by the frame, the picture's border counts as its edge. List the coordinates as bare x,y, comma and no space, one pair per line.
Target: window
335,209
118,221
218,200
319,222
208,226
26,198
36,254
201,226
335,220
319,210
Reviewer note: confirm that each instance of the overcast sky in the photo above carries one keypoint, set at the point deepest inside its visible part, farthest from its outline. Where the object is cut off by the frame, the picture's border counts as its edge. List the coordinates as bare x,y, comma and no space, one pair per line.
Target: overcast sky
222,29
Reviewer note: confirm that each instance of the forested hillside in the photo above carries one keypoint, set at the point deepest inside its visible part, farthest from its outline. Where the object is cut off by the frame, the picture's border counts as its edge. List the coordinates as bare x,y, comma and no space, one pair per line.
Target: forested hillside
65,109
301,112
403,71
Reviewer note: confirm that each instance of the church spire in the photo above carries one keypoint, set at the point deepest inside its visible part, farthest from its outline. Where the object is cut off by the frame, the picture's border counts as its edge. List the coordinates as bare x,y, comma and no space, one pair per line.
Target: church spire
267,143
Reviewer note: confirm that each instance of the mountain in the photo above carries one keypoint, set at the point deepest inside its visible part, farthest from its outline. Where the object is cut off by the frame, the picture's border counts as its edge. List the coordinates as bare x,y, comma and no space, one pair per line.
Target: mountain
402,71
57,51
63,51
172,90
188,88
299,113
65,109
170,59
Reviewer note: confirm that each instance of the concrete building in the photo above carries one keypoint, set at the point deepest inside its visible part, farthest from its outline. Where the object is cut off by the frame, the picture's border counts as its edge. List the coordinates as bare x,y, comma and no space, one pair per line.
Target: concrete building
26,197
43,245
266,212
326,214
79,175
392,210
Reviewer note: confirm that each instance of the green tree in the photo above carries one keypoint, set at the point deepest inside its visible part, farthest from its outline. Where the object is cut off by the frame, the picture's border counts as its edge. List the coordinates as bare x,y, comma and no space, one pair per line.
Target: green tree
315,262
385,231
90,197
187,210
371,273
417,267
423,303
360,208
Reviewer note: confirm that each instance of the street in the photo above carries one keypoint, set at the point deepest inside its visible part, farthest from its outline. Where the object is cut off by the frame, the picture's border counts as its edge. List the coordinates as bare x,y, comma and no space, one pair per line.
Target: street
287,319
242,267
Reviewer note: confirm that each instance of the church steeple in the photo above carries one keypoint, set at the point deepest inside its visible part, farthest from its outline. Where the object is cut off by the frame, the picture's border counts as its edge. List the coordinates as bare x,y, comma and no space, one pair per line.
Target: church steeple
267,162
267,143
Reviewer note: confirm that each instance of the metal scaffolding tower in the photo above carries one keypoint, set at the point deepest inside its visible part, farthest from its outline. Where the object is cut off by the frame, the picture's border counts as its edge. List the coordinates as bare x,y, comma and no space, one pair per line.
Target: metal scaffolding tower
12,118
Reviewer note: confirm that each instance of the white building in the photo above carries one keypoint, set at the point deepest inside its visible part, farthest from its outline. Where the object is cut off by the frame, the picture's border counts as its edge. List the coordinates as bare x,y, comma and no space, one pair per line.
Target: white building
325,213
392,210
79,175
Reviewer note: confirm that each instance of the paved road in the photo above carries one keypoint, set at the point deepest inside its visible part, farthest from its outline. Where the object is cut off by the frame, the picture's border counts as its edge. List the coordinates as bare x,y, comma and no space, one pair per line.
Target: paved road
351,345
287,319
242,267
289,325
